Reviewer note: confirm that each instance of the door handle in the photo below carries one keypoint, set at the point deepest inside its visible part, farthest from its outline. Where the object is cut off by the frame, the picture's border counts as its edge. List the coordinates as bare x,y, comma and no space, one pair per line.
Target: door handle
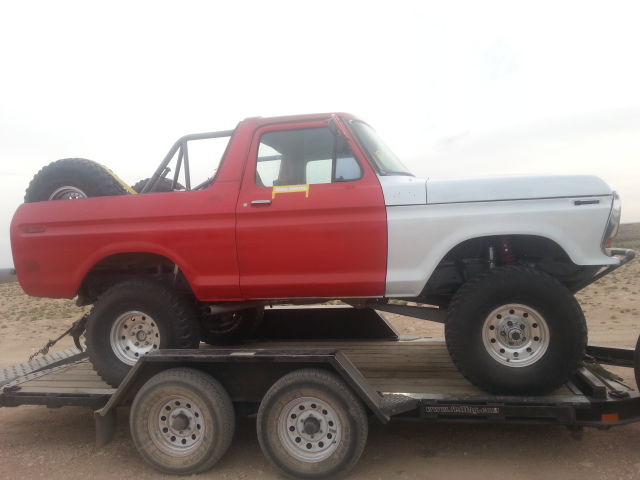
261,202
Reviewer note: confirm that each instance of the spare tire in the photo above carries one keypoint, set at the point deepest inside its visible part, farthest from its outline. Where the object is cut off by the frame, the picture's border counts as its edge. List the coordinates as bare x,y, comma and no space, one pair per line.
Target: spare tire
73,178
163,186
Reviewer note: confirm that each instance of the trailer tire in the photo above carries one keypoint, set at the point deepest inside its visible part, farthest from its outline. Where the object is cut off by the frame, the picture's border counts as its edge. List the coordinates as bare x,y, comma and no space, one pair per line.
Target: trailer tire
311,425
182,421
163,187
516,331
133,318
230,328
73,178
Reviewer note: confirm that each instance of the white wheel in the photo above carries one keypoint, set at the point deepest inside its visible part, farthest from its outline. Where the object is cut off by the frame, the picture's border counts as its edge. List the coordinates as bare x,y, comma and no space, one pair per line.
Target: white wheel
134,334
516,335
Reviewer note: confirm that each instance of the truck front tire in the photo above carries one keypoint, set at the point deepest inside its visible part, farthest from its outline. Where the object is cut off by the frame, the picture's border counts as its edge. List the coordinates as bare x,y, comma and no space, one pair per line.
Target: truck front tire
70,179
516,331
182,421
311,425
134,318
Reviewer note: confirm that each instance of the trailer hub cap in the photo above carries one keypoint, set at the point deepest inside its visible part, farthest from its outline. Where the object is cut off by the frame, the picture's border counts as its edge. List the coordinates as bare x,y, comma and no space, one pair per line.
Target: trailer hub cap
515,335
176,425
309,429
134,334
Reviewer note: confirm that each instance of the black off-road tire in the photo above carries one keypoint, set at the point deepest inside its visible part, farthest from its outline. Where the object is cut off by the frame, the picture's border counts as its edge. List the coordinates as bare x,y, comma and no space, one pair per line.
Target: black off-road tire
311,425
182,421
163,187
72,178
134,318
516,331
230,328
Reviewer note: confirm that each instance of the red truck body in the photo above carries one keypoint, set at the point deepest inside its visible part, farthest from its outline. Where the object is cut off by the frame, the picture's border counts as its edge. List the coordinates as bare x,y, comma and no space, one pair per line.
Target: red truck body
327,241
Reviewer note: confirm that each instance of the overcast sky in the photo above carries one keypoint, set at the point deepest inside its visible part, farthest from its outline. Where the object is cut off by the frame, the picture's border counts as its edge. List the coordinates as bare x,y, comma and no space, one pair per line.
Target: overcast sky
455,88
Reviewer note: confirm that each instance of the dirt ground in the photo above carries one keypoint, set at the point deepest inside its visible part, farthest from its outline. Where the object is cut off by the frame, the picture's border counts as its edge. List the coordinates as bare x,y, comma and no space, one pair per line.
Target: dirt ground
36,442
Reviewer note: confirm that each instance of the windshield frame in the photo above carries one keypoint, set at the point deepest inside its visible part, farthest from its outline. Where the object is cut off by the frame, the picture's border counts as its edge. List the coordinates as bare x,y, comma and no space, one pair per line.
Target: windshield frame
380,155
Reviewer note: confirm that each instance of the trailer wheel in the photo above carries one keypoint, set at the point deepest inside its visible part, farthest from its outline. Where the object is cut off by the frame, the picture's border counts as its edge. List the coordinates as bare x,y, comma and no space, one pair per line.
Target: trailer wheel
164,186
182,421
516,331
134,318
73,178
230,328
312,425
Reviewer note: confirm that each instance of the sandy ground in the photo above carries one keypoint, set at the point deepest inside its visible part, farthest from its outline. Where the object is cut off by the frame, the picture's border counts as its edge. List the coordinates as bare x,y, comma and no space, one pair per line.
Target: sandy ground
36,442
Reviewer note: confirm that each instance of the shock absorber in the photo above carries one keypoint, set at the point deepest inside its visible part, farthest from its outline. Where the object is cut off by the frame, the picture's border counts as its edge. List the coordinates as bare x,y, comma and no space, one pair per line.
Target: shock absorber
505,252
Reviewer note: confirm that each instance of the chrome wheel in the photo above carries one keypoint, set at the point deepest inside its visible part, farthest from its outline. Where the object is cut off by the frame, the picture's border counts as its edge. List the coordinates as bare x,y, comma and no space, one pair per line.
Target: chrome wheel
309,429
134,334
67,193
176,425
515,335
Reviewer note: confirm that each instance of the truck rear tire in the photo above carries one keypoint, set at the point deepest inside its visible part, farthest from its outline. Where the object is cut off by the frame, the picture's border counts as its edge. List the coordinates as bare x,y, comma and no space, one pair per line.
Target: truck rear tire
311,425
230,328
182,421
134,318
516,331
73,178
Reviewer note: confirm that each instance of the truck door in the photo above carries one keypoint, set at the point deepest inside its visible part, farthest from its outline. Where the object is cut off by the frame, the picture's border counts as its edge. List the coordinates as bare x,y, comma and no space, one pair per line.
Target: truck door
311,220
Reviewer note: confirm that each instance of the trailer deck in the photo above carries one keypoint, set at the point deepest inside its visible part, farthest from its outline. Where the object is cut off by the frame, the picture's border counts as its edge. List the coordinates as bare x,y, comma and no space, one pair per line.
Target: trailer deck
417,368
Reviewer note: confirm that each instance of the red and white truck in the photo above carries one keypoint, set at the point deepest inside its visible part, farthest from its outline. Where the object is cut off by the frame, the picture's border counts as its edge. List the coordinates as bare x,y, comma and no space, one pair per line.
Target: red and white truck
309,208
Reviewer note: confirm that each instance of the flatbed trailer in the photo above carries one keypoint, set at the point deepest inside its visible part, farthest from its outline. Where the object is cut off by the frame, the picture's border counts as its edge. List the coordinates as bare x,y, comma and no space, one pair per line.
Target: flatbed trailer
313,392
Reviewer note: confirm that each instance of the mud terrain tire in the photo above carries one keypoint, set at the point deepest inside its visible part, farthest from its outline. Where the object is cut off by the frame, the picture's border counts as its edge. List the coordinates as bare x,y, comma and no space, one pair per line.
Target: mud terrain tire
72,178
134,318
516,331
